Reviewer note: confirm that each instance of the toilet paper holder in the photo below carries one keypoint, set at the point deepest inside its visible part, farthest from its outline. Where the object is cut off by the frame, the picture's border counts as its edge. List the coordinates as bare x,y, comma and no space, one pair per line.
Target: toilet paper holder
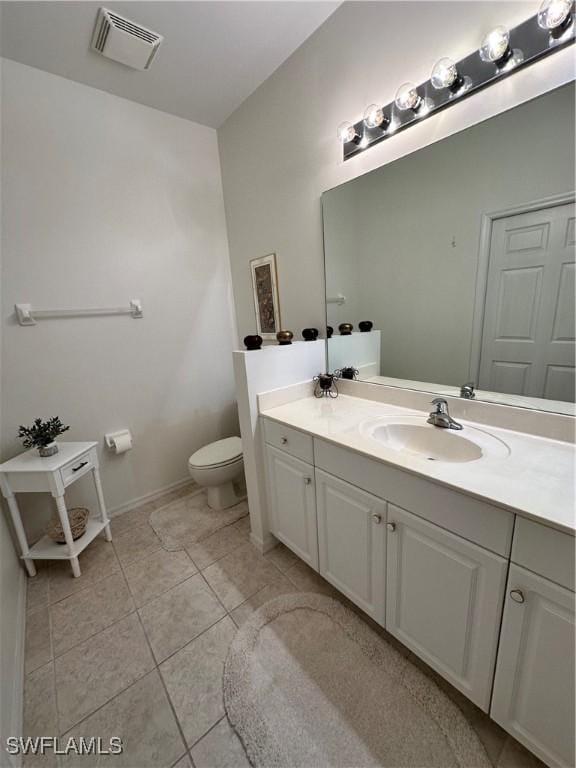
119,442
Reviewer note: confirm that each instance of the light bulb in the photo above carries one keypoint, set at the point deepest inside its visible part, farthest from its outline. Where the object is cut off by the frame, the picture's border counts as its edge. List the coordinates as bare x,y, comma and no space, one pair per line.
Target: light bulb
444,74
407,97
496,45
346,132
373,116
554,13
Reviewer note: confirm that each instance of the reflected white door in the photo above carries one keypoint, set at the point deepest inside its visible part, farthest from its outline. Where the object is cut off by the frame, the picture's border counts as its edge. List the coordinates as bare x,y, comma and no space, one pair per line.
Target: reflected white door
528,333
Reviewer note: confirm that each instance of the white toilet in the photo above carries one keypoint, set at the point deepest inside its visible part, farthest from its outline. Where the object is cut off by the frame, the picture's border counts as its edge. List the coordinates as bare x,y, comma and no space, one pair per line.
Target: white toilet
215,467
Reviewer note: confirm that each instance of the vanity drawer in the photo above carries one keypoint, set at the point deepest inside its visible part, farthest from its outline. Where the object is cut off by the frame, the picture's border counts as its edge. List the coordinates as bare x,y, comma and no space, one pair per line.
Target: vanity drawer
75,469
545,551
290,440
490,527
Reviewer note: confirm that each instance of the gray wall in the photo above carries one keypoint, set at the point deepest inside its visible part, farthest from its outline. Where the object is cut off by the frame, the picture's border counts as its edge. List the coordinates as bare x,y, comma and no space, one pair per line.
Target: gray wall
105,200
279,150
416,225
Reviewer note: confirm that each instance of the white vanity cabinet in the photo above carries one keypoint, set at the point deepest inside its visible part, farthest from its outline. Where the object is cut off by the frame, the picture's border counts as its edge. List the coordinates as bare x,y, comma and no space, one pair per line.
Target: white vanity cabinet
292,504
444,601
534,685
484,597
352,542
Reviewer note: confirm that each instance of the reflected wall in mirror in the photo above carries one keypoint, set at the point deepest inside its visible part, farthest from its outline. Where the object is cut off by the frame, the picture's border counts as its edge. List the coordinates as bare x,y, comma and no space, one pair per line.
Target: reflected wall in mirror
462,256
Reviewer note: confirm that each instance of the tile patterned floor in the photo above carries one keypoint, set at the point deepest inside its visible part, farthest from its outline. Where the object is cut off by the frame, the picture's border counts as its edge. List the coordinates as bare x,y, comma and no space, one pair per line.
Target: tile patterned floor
135,646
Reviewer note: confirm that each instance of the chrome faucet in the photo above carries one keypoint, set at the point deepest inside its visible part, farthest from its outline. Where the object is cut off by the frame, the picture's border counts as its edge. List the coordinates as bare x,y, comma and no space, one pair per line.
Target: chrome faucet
440,417
467,391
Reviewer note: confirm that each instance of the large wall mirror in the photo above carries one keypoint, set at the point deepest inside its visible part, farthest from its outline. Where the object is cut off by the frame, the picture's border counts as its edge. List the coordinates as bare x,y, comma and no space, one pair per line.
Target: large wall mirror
461,255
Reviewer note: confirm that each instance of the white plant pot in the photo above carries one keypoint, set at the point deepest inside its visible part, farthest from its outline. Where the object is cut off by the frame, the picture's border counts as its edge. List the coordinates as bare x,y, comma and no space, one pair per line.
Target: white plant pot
48,450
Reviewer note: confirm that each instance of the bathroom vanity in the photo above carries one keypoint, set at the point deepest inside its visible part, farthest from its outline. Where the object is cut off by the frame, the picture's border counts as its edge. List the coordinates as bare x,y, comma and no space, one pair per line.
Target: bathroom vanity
459,543
452,547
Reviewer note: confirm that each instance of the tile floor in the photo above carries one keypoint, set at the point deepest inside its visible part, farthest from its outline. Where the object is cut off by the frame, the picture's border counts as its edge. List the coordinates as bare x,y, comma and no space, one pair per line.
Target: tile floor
135,647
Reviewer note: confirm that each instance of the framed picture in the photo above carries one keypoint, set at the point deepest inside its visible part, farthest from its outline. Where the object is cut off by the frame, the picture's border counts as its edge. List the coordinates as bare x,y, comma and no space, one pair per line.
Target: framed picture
266,303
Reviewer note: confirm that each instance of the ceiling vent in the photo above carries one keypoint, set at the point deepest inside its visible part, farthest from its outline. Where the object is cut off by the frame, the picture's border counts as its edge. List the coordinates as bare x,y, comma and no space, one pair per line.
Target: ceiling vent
122,40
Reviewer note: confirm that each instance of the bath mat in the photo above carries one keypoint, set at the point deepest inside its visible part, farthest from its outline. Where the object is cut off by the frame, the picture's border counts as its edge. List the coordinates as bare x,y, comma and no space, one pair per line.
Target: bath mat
189,519
307,683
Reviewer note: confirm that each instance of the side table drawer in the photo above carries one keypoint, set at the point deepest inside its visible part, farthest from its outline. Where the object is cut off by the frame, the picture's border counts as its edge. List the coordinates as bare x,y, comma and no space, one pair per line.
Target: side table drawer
77,468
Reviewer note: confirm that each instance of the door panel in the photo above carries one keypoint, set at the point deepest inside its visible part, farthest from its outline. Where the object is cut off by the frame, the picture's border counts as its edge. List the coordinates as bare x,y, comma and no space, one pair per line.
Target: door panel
517,320
534,687
528,331
292,504
565,306
444,598
509,377
352,542
560,381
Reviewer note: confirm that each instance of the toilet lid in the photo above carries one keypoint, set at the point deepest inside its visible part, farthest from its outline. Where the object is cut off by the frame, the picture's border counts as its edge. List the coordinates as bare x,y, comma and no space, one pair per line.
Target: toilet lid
217,454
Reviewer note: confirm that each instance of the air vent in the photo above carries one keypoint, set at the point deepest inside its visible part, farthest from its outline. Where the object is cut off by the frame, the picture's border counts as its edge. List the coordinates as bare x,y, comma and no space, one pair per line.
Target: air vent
125,41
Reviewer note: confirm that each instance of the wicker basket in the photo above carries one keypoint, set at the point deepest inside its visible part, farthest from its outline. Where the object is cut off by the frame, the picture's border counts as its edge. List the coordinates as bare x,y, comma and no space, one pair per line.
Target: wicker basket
78,517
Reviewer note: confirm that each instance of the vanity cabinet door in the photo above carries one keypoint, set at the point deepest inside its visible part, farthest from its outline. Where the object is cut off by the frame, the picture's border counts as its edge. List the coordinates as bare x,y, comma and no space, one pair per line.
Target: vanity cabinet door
534,688
444,601
352,542
293,504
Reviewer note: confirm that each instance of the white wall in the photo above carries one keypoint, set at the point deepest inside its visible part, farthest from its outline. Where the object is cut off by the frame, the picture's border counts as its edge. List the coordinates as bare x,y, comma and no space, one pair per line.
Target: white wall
12,604
265,370
279,150
105,200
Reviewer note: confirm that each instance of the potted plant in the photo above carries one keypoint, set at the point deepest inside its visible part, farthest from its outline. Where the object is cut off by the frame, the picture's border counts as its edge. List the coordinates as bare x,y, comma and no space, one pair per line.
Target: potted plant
42,434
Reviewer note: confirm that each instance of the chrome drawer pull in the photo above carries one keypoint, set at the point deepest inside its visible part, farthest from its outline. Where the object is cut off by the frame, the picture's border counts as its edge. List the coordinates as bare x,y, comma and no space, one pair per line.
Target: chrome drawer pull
391,527
517,596
307,480
377,519
79,467
283,440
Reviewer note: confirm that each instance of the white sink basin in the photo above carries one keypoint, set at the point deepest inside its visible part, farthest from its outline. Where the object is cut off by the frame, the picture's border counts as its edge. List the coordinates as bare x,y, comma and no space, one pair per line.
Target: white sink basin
411,434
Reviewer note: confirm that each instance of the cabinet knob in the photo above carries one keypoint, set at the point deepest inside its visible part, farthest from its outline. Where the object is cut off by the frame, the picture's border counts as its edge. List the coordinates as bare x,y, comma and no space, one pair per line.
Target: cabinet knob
517,596
283,440
377,519
391,527
307,480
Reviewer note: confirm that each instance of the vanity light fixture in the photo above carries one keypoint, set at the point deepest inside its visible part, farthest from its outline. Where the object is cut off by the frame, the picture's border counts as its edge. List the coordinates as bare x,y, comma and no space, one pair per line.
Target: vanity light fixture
445,75
503,51
555,15
407,97
347,132
496,46
374,117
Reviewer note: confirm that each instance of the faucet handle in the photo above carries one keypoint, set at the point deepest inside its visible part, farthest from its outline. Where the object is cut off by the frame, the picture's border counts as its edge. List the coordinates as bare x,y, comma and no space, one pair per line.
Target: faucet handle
467,390
441,405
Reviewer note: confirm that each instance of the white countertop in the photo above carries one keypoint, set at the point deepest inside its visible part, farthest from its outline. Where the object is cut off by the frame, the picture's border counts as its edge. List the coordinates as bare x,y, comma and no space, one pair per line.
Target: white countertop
536,480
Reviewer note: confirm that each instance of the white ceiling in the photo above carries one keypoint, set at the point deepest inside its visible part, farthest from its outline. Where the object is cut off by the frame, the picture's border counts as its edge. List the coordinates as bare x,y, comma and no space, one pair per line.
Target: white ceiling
215,54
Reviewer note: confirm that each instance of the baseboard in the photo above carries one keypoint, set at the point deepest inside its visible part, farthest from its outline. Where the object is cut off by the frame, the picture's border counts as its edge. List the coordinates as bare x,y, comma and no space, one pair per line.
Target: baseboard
152,496
13,721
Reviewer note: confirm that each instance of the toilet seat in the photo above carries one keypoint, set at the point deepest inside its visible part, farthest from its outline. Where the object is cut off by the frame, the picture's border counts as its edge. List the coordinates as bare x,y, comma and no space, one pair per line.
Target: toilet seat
218,454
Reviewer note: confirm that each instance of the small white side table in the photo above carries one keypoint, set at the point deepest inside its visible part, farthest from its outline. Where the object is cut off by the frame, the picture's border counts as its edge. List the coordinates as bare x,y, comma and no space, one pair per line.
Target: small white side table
31,473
